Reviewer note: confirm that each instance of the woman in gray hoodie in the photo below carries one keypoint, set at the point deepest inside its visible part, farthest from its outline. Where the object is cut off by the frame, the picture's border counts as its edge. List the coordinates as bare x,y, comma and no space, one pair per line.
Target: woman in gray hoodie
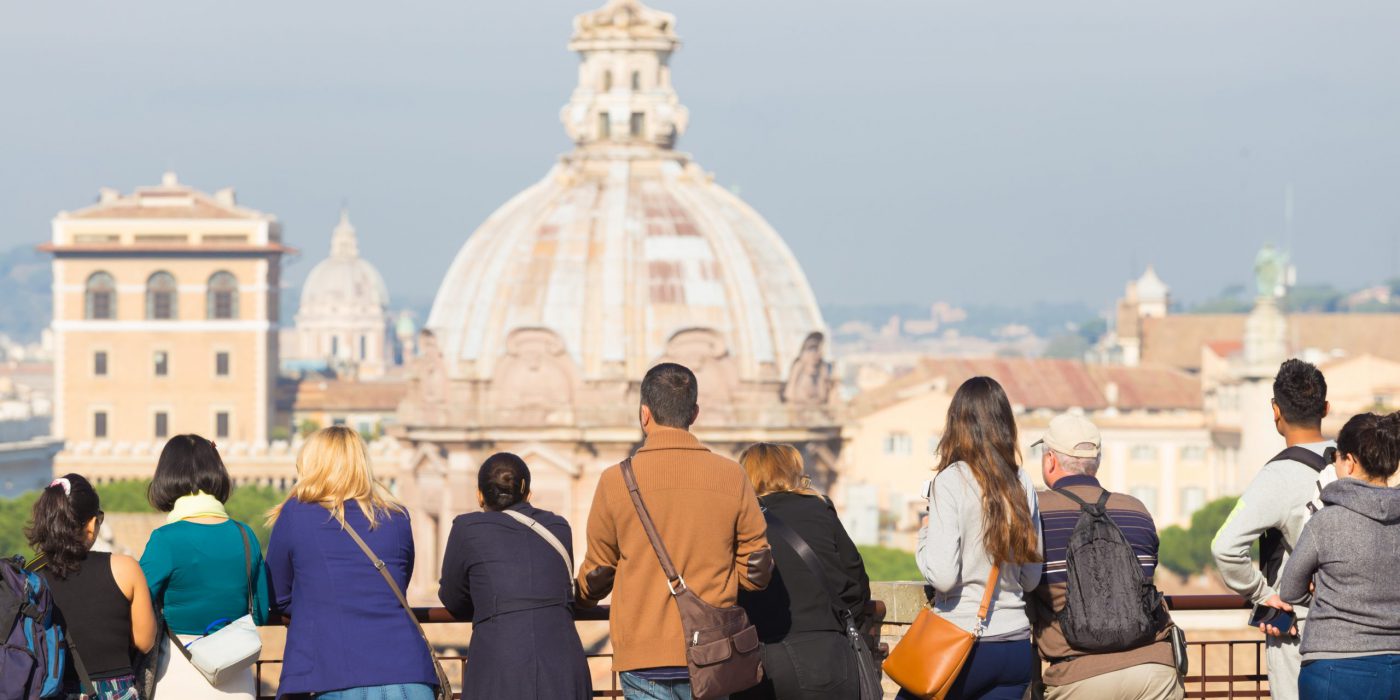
1348,561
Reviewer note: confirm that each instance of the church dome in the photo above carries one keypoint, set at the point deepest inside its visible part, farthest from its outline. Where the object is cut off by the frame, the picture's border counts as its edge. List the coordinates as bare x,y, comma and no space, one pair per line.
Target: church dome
627,252
343,285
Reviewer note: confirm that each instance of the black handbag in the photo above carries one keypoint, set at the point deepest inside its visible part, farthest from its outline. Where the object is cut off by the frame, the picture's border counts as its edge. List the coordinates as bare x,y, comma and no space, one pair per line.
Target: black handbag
870,674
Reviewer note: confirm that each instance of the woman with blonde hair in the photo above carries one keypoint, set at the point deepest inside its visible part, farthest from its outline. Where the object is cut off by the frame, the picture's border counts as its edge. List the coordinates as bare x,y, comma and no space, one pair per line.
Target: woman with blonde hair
349,636
983,530
802,616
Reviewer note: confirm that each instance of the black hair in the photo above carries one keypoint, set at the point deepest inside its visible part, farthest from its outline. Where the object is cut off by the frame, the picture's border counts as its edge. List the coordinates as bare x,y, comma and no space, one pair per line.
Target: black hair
58,522
188,464
1374,441
1300,391
504,481
671,392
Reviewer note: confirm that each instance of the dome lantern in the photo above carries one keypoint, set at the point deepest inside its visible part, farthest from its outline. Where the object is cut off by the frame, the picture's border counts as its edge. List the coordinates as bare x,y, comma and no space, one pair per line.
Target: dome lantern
624,96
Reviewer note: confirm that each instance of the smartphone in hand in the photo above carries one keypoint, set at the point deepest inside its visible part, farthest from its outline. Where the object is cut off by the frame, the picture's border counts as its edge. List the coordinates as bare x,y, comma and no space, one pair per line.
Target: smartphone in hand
1282,620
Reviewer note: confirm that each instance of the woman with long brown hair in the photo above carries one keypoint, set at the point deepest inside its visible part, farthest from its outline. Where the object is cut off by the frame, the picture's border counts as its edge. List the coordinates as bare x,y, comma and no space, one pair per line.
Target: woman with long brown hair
983,517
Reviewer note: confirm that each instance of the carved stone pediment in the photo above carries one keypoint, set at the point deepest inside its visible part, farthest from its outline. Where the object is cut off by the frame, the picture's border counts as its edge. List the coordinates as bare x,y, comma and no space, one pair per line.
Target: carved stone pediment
535,380
705,352
809,381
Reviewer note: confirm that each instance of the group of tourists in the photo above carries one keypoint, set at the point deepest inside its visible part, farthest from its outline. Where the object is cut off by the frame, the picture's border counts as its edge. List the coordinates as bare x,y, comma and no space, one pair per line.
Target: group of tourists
735,580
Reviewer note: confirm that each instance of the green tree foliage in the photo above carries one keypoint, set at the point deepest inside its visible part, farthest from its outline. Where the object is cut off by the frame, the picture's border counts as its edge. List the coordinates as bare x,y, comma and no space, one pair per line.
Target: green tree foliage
1186,551
307,427
14,514
889,564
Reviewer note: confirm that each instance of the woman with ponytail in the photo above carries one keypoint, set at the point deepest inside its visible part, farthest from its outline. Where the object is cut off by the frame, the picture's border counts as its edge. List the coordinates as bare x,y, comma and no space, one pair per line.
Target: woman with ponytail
1346,562
982,514
502,571
198,565
103,597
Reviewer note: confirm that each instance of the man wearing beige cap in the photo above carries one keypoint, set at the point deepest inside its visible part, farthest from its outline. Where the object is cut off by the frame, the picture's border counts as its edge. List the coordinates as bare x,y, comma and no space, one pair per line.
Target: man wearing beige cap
1143,669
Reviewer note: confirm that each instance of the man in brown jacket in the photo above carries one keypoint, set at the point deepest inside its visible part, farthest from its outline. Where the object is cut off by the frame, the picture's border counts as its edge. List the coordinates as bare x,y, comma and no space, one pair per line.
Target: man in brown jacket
709,519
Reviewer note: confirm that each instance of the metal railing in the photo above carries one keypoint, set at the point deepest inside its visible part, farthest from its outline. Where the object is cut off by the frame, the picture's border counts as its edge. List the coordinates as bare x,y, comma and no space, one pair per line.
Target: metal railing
1217,669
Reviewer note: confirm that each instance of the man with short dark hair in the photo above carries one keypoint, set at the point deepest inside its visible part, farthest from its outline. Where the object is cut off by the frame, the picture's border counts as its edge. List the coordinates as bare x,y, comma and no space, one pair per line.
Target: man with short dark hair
706,514
1070,462
1276,502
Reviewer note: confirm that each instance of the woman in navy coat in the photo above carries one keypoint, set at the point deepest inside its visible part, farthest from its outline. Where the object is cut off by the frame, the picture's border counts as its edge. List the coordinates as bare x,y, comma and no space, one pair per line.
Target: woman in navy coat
517,590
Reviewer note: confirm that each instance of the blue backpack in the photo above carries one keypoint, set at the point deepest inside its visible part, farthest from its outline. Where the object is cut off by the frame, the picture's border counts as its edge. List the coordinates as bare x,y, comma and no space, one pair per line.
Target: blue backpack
33,657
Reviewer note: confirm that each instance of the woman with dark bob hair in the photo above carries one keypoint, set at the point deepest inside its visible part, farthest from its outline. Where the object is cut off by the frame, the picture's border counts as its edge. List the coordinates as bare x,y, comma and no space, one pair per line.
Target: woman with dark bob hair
103,597
509,569
198,564
983,531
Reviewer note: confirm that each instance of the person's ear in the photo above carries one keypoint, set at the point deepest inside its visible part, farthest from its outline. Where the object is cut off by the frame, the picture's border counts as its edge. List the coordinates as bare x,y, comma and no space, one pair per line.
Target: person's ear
1278,415
644,415
480,499
1326,408
525,489
695,414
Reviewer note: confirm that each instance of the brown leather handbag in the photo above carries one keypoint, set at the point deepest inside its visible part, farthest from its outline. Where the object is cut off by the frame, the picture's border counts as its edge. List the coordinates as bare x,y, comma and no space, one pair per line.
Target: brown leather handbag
933,652
721,645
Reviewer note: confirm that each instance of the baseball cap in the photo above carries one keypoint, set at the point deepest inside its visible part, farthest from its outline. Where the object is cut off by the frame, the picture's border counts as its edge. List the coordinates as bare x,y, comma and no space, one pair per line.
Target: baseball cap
1068,431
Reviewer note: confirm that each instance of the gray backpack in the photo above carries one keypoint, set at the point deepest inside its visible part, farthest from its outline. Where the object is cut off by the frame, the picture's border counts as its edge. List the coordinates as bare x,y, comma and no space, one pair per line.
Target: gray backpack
1109,605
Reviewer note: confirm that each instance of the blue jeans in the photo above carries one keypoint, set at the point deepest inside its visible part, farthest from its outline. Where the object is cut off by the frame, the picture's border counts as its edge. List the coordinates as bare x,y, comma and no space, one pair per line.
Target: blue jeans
398,691
994,671
1357,678
635,688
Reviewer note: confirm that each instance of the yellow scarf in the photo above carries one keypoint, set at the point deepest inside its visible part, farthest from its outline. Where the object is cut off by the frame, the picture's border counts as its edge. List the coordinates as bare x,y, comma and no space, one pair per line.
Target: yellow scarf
200,505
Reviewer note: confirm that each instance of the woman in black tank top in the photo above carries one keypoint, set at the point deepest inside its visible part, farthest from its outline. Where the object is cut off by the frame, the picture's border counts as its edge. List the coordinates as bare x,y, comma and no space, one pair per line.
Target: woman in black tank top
102,597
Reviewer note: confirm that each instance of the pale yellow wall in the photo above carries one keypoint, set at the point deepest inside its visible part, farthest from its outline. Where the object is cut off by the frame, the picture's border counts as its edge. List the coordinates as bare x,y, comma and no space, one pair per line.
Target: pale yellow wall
191,394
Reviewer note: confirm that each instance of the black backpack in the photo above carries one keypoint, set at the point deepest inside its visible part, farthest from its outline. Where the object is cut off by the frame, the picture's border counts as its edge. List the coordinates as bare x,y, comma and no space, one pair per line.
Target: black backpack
1271,543
1109,604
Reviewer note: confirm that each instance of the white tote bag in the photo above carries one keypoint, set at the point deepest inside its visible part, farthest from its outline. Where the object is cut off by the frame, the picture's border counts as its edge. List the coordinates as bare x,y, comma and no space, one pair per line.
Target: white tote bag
233,648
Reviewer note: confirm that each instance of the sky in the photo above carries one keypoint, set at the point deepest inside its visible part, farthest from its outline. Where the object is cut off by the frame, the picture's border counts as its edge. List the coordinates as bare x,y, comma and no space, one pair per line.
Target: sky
906,150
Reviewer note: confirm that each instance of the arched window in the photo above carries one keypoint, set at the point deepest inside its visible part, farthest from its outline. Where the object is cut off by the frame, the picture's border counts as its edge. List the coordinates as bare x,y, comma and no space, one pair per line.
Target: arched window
607,80
636,80
161,293
100,298
223,295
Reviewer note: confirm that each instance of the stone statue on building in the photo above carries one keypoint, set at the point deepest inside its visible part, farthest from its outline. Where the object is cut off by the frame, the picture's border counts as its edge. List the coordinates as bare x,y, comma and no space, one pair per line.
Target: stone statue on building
1271,272
809,380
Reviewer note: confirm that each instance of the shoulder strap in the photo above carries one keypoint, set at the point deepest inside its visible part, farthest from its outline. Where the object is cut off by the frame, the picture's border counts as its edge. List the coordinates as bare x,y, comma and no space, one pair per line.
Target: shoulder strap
1302,455
247,563
674,581
444,685
545,535
1103,497
993,582
776,526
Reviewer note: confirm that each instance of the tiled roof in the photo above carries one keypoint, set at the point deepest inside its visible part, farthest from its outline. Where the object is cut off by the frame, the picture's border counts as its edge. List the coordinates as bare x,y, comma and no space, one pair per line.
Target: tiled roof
347,395
1176,341
1046,383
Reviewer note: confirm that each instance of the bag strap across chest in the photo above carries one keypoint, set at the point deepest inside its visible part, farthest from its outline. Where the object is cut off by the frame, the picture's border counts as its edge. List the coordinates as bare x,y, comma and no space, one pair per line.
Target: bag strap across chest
550,539
674,580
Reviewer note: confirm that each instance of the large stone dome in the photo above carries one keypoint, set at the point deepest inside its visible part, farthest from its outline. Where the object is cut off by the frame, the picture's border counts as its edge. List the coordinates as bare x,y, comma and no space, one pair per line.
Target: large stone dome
626,252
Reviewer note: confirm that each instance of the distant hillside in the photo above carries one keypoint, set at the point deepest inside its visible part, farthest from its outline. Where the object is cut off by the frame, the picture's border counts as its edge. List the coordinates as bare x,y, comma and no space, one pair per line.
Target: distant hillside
26,285
982,320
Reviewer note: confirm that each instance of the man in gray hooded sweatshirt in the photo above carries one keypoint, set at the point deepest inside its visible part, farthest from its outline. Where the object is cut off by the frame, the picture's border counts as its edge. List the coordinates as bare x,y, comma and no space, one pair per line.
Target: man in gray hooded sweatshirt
1277,501
1351,648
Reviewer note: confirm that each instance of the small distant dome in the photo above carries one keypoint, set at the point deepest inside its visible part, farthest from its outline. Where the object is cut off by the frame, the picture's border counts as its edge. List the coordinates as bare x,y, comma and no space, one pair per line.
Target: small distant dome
1150,287
344,283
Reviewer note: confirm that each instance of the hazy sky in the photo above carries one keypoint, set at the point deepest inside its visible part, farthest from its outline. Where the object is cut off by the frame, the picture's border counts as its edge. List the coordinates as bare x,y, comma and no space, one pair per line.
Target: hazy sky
909,150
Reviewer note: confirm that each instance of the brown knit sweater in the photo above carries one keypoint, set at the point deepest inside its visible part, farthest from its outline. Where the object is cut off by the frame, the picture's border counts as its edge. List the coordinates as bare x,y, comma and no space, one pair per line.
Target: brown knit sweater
709,519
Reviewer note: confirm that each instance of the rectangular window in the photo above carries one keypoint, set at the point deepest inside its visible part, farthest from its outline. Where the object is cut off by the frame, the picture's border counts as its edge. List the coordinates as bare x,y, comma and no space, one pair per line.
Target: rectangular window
1192,499
604,125
637,124
364,344
162,424
1148,496
899,444
99,424
1193,453
162,363
221,364
99,363
1144,453
221,424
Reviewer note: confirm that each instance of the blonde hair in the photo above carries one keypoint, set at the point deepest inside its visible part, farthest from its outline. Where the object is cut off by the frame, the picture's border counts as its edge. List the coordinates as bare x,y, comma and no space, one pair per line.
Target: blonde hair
775,468
332,469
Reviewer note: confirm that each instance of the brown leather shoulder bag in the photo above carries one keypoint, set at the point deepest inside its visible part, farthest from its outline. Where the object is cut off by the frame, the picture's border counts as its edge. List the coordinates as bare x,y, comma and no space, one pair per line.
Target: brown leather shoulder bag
933,652
721,645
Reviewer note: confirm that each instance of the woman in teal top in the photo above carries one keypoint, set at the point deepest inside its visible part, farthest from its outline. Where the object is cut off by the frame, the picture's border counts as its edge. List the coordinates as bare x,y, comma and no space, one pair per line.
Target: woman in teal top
196,564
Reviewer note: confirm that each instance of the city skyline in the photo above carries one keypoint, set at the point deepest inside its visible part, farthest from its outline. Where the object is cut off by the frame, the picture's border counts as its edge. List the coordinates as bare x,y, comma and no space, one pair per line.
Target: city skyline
1166,156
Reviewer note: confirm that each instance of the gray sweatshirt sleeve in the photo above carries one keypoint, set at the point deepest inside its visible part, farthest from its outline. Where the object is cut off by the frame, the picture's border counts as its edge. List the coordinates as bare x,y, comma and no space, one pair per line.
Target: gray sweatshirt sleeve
1261,507
940,555
1298,572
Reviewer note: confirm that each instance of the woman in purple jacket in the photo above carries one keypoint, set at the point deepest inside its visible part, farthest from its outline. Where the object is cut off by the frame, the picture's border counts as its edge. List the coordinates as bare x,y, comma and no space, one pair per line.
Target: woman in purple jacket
349,638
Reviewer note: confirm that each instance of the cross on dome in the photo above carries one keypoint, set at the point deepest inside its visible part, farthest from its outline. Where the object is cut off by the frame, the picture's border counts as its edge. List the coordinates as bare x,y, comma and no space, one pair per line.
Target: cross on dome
624,99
